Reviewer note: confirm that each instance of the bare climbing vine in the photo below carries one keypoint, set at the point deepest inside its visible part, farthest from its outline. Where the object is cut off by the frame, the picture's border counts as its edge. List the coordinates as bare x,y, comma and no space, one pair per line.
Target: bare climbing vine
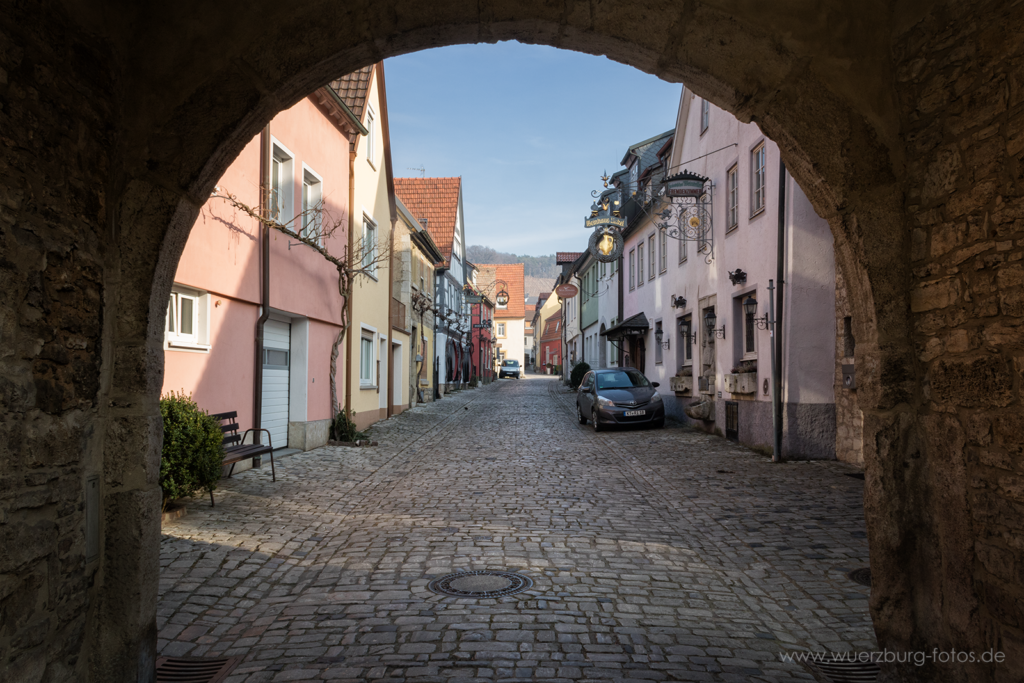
313,227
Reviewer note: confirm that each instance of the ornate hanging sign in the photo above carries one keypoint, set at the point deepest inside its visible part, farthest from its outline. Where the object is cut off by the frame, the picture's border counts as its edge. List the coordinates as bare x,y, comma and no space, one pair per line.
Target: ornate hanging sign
598,221
566,291
606,244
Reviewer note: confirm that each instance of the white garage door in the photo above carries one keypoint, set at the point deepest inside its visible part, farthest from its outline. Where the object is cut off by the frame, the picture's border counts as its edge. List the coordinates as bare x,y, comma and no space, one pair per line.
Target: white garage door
276,364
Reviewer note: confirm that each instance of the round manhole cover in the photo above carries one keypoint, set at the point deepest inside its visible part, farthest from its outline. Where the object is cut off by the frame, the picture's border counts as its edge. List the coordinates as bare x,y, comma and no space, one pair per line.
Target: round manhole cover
480,584
861,576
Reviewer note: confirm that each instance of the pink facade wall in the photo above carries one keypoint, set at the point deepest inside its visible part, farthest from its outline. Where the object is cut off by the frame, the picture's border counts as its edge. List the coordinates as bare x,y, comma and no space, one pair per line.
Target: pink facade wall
222,258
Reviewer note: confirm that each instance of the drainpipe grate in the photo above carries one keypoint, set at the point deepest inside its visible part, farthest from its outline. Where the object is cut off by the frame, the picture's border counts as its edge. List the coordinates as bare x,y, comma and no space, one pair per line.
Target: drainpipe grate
845,668
193,669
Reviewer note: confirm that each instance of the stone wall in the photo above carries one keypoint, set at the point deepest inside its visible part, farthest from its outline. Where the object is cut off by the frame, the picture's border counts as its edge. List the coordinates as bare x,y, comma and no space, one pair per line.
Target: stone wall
961,88
849,418
904,124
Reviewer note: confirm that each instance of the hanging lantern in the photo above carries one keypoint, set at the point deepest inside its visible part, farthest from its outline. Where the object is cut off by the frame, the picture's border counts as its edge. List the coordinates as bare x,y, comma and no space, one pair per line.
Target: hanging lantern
502,298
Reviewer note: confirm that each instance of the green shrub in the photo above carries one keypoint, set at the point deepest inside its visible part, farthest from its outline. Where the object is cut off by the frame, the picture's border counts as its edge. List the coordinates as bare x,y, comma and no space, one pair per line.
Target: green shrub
193,451
343,428
576,376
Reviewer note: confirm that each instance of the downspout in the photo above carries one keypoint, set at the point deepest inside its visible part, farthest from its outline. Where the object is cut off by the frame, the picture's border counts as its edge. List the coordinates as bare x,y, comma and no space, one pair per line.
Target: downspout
780,272
391,326
257,389
348,303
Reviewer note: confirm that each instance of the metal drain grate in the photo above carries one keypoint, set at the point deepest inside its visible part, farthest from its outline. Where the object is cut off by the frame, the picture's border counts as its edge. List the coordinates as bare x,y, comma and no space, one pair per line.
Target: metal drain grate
861,576
838,668
481,584
193,670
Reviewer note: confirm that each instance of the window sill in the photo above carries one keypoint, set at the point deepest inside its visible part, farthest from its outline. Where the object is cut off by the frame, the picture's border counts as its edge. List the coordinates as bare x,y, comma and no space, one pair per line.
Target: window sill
759,212
186,346
372,165
732,228
368,386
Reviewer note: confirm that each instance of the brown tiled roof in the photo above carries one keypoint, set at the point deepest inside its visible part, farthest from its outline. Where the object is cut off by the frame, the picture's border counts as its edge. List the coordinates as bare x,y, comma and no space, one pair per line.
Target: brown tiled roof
435,200
512,274
352,89
566,256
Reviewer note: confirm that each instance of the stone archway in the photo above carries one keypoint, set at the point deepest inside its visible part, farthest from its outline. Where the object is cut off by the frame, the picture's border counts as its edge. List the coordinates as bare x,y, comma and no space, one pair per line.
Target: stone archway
904,124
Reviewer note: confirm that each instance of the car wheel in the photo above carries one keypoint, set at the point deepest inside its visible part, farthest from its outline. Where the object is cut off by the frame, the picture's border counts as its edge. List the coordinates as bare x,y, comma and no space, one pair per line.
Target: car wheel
579,415
597,425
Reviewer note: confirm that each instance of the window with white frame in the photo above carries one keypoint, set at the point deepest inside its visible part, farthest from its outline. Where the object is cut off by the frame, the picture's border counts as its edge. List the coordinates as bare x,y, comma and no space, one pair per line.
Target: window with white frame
369,245
188,324
758,160
652,256
663,235
705,115
312,206
371,137
640,264
281,167
366,359
632,268
501,329
658,356
682,251
733,191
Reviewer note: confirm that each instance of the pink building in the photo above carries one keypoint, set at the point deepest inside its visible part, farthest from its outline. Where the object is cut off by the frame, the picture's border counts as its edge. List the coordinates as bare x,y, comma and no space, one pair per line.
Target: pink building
231,270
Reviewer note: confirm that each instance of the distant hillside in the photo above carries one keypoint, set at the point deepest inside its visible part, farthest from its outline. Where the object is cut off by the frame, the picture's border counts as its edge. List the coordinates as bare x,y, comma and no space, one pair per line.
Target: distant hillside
533,266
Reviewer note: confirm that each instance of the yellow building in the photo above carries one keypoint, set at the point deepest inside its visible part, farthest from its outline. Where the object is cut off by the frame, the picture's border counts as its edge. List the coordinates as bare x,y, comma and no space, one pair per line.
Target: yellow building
415,258
374,349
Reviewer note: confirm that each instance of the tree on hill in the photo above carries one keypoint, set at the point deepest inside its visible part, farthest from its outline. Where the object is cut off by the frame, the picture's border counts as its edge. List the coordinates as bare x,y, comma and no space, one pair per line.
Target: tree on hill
533,266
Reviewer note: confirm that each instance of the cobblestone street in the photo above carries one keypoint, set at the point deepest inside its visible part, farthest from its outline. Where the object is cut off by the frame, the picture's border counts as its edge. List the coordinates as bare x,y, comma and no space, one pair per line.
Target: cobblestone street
654,554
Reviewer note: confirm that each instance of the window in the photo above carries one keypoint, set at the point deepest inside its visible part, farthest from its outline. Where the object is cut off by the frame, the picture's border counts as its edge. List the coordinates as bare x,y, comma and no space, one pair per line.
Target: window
757,179
276,358
371,137
369,246
312,206
663,234
604,269
640,264
705,115
748,329
652,256
187,325
632,268
281,163
734,197
366,359
501,329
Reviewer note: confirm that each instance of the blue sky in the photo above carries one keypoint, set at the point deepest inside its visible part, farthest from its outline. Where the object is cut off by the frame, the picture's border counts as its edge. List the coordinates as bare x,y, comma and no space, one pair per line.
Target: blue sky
529,128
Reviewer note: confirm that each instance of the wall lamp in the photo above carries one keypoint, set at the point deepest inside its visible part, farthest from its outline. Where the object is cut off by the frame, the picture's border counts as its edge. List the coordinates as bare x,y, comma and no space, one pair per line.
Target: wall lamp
750,310
659,335
709,324
685,332
678,302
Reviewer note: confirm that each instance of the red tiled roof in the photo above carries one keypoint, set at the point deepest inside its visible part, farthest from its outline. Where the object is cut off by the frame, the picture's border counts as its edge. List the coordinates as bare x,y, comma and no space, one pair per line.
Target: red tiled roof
513,275
566,256
352,89
435,200
552,330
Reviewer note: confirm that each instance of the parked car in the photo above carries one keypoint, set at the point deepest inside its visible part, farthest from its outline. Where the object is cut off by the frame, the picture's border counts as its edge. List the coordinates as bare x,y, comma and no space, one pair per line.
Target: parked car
614,396
510,368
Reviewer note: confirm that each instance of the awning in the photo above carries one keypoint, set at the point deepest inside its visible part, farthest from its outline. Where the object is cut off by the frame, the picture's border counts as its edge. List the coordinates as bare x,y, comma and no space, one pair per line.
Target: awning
635,325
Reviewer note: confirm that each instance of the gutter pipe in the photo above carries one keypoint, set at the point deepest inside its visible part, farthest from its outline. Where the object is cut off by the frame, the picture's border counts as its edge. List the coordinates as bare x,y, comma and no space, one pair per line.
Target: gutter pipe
777,357
257,392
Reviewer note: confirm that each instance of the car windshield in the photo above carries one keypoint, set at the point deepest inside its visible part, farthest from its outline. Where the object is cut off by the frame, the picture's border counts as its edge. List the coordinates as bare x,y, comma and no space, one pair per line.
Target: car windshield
510,363
625,379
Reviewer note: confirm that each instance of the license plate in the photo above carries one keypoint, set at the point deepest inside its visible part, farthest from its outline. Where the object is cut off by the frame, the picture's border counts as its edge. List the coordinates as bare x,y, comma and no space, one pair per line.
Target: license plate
635,413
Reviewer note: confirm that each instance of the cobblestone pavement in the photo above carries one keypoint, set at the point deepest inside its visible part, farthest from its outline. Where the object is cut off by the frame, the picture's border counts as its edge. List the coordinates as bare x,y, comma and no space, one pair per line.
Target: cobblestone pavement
664,555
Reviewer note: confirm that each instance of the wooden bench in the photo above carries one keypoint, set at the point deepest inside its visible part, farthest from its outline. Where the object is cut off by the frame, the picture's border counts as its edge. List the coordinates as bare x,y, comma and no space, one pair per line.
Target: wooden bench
235,450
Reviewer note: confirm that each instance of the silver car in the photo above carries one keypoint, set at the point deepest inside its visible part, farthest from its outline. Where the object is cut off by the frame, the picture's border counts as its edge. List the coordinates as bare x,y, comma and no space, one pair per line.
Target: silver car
613,396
